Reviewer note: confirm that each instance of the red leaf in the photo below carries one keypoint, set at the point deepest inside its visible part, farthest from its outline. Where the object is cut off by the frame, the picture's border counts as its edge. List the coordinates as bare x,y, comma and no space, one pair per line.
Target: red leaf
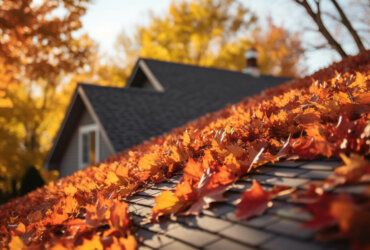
210,189
321,212
363,98
254,202
204,200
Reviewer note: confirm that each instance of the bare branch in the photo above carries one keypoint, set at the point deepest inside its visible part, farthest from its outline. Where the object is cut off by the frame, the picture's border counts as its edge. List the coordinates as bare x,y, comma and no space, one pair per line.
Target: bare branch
316,17
314,48
349,27
331,16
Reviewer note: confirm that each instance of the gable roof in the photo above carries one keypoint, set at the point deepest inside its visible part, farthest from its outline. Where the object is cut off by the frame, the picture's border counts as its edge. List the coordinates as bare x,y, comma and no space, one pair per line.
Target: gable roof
192,91
128,116
173,76
79,103
86,209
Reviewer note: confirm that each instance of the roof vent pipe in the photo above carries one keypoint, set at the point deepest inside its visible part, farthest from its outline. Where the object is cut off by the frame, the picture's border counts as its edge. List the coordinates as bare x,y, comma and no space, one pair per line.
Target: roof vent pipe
251,67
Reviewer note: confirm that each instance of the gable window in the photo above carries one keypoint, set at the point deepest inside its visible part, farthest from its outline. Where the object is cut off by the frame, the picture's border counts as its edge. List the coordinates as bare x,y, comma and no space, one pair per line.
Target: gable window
88,145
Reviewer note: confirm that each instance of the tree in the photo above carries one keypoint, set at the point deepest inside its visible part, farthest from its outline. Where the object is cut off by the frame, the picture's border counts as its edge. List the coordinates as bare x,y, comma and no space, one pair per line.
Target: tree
317,15
38,36
280,52
38,48
210,33
191,32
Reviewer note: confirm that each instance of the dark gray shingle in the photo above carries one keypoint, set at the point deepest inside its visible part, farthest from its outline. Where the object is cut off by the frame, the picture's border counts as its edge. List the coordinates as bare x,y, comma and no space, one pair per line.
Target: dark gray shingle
131,115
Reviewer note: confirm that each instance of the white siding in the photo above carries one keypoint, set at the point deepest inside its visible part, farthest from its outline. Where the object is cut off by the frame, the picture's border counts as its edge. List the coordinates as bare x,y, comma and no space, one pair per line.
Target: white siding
69,161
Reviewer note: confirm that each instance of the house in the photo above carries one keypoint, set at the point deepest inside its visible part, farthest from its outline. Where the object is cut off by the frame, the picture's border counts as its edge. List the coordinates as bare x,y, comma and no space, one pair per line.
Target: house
180,201
159,96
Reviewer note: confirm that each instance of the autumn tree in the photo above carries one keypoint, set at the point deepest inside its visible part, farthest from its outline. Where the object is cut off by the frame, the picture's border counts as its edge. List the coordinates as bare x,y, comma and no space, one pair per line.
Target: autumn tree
38,36
333,18
210,33
280,52
38,46
190,32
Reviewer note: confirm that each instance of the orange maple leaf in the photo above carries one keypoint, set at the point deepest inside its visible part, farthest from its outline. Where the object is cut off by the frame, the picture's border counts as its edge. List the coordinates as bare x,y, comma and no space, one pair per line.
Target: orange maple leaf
166,203
355,168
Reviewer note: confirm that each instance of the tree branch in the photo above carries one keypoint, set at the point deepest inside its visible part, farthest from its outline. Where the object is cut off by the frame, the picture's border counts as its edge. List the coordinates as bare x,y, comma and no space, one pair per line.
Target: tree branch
349,27
316,17
332,16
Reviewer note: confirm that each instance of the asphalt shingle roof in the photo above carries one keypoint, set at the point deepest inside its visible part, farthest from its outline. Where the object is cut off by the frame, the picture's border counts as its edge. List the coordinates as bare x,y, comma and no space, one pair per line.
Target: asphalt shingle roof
281,227
131,116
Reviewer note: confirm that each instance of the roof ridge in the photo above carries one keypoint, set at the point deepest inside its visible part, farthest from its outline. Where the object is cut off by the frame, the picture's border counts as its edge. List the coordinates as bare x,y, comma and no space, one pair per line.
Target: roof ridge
123,89
208,68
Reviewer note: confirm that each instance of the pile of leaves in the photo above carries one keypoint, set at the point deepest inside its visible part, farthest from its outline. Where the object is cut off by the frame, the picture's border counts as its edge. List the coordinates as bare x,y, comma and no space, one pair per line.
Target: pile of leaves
321,116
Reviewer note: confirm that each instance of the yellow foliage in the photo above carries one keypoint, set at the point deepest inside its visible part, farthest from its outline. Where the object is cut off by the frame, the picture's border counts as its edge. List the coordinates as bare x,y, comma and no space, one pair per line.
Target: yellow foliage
212,33
16,243
279,51
148,162
93,244
111,179
70,190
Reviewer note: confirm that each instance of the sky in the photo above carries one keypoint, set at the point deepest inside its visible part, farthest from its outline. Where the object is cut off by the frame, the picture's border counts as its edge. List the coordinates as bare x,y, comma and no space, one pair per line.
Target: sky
105,19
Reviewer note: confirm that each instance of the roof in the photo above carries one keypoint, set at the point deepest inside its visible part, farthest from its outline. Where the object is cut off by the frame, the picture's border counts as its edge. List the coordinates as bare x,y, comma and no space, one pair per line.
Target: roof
215,160
190,77
189,92
280,228
130,116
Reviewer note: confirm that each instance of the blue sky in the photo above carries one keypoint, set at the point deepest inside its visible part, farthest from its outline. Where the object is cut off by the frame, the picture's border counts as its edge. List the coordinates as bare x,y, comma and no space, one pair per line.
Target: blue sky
106,18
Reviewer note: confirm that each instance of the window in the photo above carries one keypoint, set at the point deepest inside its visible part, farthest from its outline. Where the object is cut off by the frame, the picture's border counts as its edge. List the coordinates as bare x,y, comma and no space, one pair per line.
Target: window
88,145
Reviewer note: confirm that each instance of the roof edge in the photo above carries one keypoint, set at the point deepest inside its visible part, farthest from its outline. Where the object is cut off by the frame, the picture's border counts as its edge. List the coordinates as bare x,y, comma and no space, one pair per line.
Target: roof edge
144,67
61,128
90,109
213,68
78,93
140,64
133,73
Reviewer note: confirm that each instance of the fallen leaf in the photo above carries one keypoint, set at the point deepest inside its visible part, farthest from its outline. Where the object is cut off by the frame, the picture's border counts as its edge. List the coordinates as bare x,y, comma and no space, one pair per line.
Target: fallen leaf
166,203
254,201
89,244
16,243
355,167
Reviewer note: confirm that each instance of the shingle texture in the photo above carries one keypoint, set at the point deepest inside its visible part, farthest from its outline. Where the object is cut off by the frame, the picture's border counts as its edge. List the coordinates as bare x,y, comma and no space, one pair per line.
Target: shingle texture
280,227
131,116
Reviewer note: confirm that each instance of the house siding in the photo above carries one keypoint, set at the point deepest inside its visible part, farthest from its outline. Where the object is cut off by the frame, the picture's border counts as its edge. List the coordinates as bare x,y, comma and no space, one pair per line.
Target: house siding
69,161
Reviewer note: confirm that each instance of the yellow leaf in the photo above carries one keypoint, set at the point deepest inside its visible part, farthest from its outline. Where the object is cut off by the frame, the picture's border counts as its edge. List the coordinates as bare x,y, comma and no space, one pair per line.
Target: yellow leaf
16,243
70,190
58,246
122,171
21,228
166,203
359,82
70,205
6,103
186,139
111,179
148,162
93,244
